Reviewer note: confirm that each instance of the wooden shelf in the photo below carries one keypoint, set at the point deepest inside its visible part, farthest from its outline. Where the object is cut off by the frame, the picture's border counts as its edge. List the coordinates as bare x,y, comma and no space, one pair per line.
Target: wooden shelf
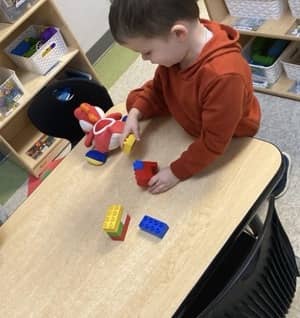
7,28
17,133
271,28
33,83
26,138
277,29
281,88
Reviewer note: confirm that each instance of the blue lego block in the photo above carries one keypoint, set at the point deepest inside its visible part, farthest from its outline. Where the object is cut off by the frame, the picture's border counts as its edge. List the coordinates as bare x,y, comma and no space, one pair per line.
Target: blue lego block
97,156
153,226
138,165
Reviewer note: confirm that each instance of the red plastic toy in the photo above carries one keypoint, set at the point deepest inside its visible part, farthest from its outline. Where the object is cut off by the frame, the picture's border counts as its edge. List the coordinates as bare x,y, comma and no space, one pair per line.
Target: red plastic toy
144,171
102,132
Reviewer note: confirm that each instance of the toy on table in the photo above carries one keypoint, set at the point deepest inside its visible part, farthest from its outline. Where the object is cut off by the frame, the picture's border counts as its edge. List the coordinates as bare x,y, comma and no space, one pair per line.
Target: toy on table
113,225
129,143
102,132
153,226
144,171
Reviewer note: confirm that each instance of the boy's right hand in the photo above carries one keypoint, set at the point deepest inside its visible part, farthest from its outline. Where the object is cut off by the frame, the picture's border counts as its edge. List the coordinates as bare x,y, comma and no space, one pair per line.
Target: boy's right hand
131,125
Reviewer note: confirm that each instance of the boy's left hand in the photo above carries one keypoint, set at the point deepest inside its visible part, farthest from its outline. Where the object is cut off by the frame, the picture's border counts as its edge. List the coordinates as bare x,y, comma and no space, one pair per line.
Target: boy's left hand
162,181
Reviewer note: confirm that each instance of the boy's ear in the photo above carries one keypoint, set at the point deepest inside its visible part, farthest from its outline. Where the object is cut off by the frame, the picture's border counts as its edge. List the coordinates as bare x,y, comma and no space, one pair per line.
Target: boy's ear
180,31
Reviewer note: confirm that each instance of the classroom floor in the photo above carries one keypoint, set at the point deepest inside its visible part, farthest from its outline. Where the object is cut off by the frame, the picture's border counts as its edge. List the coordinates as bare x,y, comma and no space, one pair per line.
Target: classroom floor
120,71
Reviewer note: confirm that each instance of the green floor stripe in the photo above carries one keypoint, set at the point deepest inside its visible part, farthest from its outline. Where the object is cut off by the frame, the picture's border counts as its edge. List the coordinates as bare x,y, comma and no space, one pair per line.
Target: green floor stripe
113,63
11,178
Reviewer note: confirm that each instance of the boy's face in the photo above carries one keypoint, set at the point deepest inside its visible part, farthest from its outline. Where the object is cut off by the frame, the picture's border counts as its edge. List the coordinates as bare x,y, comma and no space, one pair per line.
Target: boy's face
166,51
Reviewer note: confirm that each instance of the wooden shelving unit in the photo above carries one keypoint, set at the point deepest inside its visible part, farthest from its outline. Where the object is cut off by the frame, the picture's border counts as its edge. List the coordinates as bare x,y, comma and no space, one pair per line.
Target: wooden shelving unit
17,134
217,11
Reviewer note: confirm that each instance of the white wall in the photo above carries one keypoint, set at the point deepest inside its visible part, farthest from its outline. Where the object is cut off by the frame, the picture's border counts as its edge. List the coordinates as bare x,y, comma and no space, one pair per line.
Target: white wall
87,19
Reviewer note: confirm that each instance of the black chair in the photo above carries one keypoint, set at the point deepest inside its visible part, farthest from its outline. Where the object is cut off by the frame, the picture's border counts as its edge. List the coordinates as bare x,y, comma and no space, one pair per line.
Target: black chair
256,279
51,110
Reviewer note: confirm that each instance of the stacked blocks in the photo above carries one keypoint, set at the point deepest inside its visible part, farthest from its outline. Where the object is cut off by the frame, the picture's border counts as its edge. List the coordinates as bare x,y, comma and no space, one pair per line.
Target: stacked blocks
128,143
96,157
113,225
144,171
153,226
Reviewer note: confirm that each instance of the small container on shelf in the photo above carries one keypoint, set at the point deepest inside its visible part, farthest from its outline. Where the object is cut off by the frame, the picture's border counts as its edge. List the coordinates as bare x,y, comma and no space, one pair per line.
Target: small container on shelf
267,74
262,9
11,90
295,8
11,10
38,49
291,62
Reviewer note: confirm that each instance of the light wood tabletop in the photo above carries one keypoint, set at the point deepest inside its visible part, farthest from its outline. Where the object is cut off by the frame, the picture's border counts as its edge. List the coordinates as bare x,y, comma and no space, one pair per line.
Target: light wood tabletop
55,260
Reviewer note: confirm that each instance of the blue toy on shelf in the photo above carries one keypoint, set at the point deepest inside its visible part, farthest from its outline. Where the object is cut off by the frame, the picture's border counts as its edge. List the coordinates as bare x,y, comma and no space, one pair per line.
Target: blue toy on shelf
153,226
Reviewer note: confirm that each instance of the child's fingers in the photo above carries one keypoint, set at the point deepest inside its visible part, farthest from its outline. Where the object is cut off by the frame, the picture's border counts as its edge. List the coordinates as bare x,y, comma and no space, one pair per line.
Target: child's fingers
136,133
123,137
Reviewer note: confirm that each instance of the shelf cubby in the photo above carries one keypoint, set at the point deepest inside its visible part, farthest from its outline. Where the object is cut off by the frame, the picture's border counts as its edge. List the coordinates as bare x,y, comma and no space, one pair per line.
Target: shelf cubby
277,29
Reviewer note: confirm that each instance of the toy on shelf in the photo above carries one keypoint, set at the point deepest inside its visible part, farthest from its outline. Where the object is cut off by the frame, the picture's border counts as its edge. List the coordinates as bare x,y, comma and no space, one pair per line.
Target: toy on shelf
113,224
265,51
144,171
153,226
102,132
28,46
11,90
40,146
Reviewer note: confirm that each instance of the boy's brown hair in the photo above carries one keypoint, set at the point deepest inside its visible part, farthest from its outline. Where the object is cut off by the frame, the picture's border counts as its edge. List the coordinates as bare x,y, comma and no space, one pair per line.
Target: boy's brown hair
148,18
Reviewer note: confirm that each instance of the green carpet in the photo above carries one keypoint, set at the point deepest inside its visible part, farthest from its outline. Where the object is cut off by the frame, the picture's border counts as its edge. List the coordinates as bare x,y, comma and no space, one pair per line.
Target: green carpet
113,63
12,177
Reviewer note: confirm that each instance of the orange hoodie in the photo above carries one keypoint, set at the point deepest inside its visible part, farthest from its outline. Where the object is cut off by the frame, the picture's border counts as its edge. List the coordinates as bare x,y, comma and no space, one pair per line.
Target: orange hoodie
212,99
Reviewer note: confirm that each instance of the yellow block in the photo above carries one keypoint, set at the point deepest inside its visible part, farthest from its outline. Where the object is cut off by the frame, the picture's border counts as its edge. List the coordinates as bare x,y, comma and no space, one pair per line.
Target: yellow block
113,218
94,162
128,143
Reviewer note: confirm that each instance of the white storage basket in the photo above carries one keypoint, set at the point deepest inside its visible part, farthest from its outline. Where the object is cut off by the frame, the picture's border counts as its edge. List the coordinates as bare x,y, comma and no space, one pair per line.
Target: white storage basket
295,8
291,62
10,10
269,73
46,57
263,9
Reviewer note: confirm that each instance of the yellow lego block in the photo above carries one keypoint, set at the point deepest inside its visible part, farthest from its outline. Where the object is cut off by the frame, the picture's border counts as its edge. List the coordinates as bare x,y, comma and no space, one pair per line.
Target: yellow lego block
94,162
113,218
128,143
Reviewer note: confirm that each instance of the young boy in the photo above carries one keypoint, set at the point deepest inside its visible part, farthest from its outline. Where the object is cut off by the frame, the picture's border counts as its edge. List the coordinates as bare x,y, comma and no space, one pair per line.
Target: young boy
202,80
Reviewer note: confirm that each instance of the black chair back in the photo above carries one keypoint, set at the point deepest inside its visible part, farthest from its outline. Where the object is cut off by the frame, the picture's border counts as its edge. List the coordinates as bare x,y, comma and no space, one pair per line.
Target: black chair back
51,110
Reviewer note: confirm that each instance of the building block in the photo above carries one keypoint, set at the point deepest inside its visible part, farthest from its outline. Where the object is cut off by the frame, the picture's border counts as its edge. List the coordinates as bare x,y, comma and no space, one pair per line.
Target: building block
144,171
95,157
118,231
138,165
121,237
129,143
153,226
113,218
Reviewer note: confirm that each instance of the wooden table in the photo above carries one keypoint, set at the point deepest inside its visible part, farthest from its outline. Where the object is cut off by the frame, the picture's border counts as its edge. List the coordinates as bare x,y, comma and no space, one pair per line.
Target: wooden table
55,261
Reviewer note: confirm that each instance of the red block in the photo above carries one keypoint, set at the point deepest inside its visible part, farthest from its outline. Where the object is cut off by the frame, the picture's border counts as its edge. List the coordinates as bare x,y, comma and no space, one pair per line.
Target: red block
143,176
123,234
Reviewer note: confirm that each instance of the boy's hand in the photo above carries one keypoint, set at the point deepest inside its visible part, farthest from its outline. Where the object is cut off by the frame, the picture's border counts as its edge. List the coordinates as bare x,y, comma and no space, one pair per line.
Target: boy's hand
162,181
131,125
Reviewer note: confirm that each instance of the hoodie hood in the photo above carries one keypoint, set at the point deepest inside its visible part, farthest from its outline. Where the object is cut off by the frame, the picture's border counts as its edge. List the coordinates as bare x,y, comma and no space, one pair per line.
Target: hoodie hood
224,40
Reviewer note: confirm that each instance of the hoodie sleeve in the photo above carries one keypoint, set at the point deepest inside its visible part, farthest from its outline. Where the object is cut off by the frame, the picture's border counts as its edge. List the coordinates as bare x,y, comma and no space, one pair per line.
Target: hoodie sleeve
221,113
149,98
